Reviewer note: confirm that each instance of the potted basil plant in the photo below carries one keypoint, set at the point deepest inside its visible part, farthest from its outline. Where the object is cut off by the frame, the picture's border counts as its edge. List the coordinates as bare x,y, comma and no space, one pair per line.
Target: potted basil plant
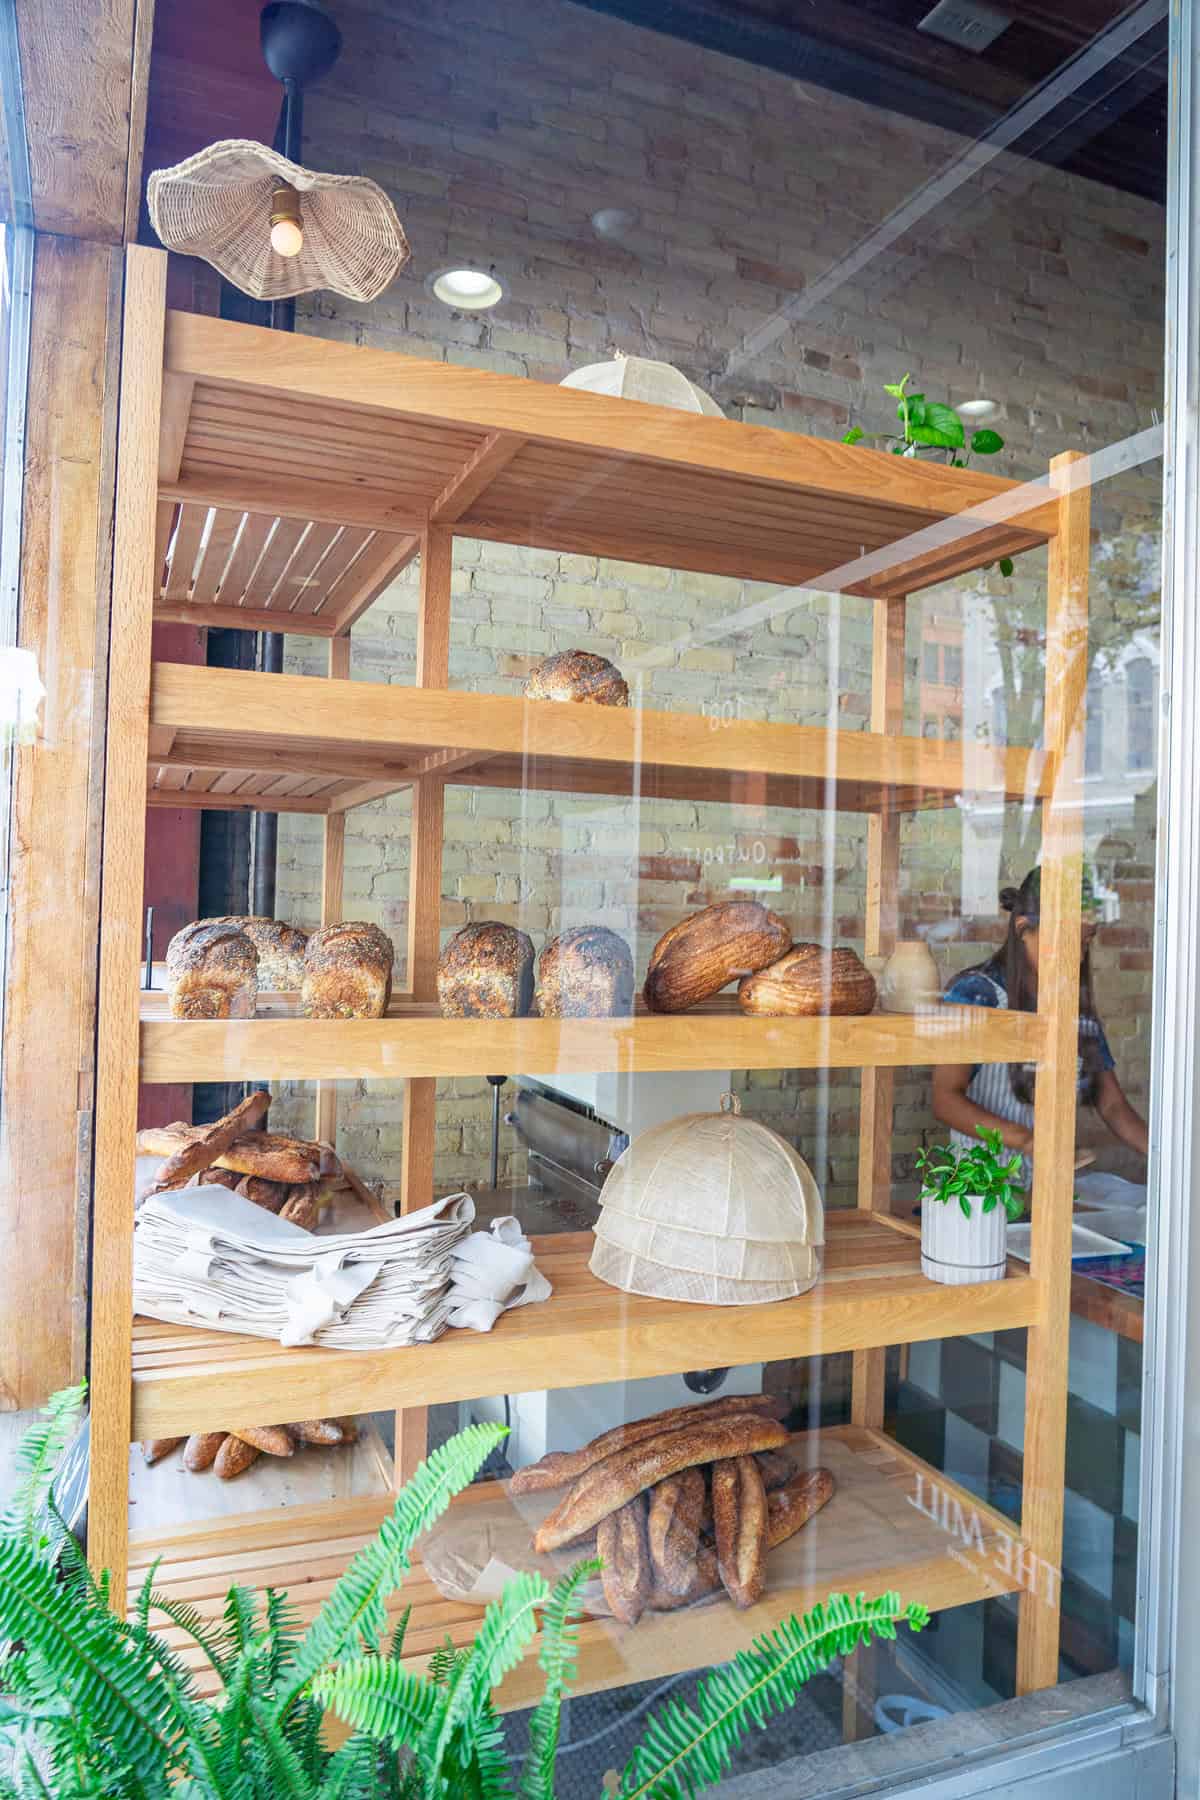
967,1199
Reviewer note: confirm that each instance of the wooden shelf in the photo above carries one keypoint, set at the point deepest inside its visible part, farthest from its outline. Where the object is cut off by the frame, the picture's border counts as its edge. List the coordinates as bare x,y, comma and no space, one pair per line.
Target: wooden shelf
402,444
287,742
893,1523
414,1040
872,1293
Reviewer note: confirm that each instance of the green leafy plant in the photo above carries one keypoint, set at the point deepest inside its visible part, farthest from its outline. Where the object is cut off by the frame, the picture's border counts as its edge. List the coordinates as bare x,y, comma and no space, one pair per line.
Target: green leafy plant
984,1172
98,1706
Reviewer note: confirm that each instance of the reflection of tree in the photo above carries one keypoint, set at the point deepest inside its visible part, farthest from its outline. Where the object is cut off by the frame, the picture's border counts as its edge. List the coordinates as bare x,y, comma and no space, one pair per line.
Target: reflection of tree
1124,599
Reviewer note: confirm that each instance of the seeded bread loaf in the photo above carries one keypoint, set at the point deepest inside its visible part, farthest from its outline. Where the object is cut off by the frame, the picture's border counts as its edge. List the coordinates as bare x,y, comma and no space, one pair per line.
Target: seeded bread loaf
212,972
347,972
577,675
486,972
586,973
280,949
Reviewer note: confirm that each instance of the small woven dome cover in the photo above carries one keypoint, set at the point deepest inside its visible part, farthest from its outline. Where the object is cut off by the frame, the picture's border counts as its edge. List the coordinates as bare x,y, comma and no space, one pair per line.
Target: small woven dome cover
638,378
713,1208
217,205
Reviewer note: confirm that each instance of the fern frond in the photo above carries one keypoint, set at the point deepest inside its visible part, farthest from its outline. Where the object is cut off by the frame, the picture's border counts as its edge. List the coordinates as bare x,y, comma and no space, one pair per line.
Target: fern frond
685,1749
241,1618
506,1630
352,1771
38,1457
356,1604
287,1777
382,1698
446,1661
557,1660
90,1661
396,1647
207,1636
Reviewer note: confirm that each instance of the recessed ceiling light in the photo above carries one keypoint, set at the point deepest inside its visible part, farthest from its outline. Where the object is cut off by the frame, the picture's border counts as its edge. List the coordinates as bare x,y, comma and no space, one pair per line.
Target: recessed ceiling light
472,290
977,409
615,221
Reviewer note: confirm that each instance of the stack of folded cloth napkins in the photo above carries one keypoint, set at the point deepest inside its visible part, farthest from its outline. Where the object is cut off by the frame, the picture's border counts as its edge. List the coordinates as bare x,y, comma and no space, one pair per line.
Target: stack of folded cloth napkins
206,1256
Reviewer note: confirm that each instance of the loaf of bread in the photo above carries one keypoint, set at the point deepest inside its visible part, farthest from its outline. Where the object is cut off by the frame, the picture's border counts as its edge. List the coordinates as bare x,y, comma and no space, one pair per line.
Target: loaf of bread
809,982
577,675
585,973
739,1504
280,951
266,1153
616,1480
700,955
486,972
673,1524
347,972
212,972
621,1547
558,1467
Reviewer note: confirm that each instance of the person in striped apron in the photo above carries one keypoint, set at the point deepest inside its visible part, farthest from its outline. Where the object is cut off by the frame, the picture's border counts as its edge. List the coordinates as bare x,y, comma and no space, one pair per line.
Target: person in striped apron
999,1096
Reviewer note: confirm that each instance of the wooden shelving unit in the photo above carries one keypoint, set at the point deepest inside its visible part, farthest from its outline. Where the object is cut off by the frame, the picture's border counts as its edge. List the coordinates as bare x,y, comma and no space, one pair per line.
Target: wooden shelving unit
277,482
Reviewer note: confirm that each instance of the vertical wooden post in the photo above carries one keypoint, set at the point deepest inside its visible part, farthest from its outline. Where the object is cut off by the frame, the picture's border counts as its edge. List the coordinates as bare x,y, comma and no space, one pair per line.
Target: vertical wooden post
882,916
424,928
1055,1101
333,868
120,912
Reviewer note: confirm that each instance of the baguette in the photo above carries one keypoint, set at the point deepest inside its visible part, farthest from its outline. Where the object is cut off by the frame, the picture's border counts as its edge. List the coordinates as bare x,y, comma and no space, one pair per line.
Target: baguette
265,1153
302,1206
559,1467
778,1466
154,1449
210,1142
622,1549
791,1507
705,1579
234,1457
615,1481
673,1529
270,1195
275,1440
214,1177
318,1431
200,1451
740,1519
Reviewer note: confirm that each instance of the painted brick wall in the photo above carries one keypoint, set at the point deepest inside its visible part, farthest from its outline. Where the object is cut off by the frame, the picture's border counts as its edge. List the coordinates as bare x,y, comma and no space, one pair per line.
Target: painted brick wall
499,130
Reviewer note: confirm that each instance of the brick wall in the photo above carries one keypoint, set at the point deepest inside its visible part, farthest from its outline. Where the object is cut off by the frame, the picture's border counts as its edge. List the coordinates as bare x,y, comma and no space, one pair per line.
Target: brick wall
499,130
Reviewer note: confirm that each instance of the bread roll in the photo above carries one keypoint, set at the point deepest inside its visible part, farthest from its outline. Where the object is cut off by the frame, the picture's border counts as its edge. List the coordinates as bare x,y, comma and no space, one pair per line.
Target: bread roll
586,973
347,973
577,675
486,972
700,955
212,972
280,951
809,982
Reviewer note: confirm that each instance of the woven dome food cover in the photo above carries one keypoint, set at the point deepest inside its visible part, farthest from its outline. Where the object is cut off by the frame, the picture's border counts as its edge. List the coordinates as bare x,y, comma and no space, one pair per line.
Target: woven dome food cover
640,378
711,1208
217,205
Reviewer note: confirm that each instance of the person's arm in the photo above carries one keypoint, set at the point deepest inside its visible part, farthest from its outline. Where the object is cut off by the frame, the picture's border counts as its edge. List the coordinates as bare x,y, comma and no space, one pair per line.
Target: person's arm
1122,1120
951,1107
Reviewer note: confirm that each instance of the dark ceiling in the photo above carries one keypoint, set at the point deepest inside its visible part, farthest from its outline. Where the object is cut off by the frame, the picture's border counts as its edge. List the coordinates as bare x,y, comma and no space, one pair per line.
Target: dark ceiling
1111,127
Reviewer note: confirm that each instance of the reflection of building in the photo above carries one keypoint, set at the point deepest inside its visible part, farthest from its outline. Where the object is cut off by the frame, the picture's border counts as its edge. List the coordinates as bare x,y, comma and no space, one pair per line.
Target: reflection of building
942,677
1120,736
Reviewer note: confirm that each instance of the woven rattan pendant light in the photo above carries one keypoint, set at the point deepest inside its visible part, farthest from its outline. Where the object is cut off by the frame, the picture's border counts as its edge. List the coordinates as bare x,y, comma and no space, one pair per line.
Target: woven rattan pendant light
220,203
711,1208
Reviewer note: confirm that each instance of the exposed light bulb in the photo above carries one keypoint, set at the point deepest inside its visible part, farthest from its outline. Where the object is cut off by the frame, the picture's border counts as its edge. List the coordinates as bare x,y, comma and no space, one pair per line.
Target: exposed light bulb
287,230
287,237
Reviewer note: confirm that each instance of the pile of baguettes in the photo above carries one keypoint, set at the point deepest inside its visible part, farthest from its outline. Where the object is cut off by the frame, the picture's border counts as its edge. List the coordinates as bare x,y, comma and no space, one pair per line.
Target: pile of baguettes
682,1504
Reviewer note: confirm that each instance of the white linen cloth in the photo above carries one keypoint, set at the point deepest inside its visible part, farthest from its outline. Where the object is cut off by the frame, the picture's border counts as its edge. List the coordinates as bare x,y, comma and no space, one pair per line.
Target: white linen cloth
494,1271
207,1256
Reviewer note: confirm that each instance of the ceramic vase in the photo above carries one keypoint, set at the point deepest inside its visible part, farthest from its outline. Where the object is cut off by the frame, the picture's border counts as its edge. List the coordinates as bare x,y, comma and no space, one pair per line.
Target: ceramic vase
956,1250
909,982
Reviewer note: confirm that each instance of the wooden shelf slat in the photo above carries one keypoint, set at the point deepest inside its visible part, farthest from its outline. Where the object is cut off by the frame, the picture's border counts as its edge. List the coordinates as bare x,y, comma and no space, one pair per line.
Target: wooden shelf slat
241,719
872,1293
413,1041
893,1523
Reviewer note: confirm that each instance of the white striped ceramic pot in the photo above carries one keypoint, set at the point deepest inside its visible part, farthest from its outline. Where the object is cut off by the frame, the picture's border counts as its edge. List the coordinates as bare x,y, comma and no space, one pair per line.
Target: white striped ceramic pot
955,1250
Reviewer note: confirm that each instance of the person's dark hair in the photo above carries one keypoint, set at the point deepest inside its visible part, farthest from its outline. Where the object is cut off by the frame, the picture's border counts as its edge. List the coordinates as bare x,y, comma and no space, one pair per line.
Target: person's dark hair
1011,967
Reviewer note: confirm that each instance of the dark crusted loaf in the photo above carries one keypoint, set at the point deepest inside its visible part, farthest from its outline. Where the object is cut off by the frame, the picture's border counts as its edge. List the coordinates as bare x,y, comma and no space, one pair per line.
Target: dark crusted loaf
280,949
212,972
586,973
347,972
486,972
577,675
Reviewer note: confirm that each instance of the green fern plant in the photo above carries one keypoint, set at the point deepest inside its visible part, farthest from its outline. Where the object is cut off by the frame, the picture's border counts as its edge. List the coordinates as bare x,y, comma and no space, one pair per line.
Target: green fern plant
101,1708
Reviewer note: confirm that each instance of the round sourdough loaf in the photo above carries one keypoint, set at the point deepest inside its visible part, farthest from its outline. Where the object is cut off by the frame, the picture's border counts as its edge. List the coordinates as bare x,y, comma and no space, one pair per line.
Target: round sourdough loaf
577,675
212,972
702,954
809,982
